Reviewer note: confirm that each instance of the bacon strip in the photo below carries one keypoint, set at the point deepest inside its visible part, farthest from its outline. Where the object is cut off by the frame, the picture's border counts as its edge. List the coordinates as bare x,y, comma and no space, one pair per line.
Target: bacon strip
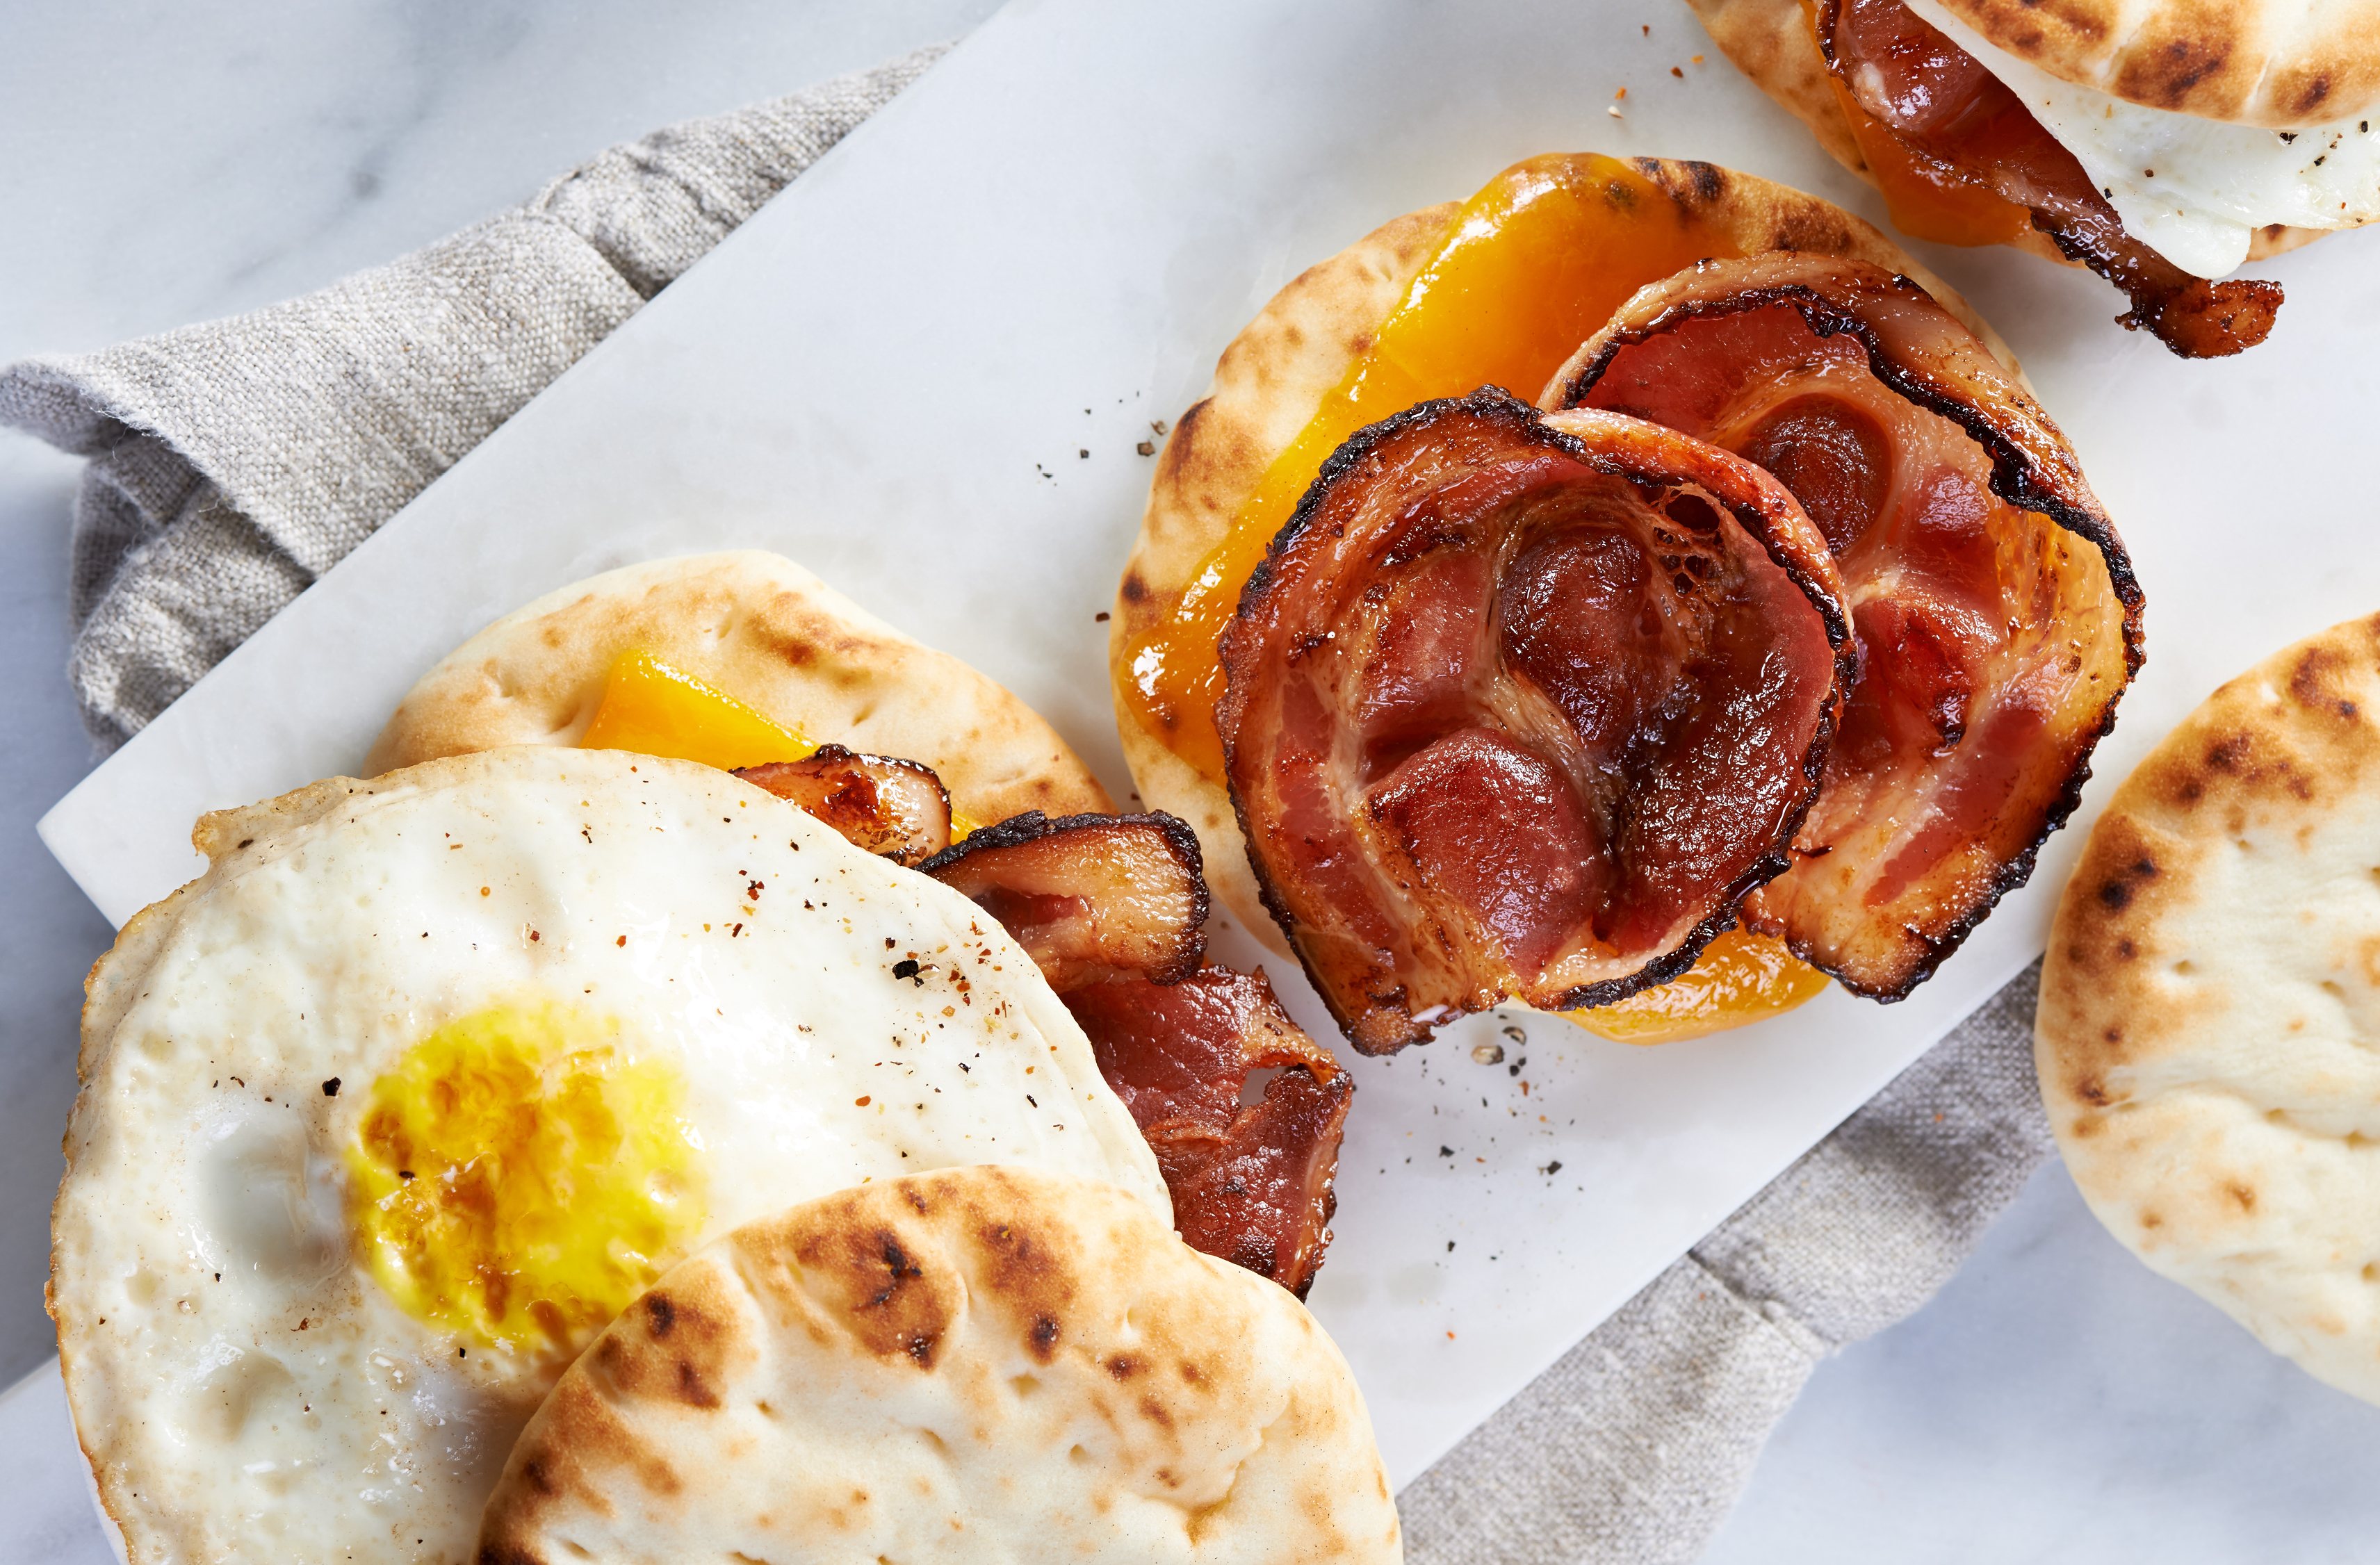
1251,1184
896,808
1523,706
1089,897
1997,617
1946,107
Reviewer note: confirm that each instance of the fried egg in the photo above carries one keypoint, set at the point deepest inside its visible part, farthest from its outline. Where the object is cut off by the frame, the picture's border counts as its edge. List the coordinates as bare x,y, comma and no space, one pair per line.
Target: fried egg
389,1113
2194,190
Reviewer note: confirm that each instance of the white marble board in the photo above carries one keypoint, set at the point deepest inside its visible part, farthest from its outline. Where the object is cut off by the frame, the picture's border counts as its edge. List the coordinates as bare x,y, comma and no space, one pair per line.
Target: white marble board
889,374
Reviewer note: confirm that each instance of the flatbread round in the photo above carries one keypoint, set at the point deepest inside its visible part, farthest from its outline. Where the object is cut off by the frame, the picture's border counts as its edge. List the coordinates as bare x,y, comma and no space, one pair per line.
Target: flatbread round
1770,42
1274,375
2209,1031
767,632
976,1363
2286,65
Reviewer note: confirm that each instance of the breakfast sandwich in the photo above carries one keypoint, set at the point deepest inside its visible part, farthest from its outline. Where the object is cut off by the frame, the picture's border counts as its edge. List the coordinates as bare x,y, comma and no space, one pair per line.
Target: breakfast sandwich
978,1364
1766,638
2161,143
388,1114
2208,1035
746,662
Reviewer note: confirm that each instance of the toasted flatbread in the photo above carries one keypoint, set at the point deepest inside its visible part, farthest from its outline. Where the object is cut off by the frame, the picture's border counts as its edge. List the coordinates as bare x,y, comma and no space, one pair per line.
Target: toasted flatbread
1273,376
1770,42
2209,1031
767,632
2285,65
977,1364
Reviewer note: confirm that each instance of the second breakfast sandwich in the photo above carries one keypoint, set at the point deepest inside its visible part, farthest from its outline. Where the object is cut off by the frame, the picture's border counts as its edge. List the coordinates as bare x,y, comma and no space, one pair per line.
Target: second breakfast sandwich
1783,605
2158,143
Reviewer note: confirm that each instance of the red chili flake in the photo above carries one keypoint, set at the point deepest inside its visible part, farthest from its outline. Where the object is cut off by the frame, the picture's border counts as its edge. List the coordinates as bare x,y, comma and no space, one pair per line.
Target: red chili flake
860,1102
624,941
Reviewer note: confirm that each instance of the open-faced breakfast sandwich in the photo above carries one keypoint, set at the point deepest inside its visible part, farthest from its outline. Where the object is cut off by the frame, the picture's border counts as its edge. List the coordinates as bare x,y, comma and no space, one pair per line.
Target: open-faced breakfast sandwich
434,1076
2161,143
2209,1031
1623,594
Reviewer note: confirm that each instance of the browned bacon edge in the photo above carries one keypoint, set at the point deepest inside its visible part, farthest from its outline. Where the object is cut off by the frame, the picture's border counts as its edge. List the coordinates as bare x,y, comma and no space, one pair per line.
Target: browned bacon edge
1495,402
2045,480
1112,909
1252,1184
1089,897
896,809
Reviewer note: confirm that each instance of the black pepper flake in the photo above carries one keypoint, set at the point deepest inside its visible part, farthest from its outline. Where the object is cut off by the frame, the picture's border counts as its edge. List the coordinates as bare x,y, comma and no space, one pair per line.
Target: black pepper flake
1100,618
1446,1151
405,1174
1553,1168
1450,1246
1029,1098
906,968
330,1087
1146,448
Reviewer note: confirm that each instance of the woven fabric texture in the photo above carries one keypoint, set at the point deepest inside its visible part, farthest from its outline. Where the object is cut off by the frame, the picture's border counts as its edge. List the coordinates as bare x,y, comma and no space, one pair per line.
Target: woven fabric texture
232,463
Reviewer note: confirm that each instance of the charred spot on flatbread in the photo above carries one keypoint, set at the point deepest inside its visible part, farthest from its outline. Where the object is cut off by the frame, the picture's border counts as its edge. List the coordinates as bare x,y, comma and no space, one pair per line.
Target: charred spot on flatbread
2210,1006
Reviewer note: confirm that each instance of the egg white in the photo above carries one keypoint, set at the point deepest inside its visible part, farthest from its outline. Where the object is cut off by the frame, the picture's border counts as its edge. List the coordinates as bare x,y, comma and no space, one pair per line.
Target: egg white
2194,190
244,1390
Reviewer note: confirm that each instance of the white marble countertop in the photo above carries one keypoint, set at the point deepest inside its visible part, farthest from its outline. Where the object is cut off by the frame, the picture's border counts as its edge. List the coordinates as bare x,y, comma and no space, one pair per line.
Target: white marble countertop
2056,1402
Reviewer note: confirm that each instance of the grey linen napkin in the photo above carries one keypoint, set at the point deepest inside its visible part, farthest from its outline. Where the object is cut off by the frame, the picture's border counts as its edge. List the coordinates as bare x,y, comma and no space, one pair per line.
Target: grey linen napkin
233,462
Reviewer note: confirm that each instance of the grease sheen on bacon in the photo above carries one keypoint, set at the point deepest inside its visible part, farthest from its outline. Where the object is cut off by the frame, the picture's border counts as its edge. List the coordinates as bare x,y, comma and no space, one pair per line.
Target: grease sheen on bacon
897,810
1251,1183
1523,706
1089,897
1996,614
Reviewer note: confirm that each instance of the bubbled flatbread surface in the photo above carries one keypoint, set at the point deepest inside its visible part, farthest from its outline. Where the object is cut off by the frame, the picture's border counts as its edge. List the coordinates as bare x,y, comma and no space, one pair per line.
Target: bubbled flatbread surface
2209,1031
766,631
1770,42
981,1364
1275,373
2283,64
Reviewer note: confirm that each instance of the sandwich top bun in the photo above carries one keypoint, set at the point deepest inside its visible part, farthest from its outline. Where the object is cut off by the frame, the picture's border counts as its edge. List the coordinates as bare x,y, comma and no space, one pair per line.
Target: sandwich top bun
978,1364
2283,66
2209,1030
1272,384
766,633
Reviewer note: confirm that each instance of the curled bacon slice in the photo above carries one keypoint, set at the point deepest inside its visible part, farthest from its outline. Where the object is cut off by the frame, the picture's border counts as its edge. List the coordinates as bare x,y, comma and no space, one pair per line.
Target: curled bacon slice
1089,897
1997,617
896,808
1251,1184
1946,107
1523,706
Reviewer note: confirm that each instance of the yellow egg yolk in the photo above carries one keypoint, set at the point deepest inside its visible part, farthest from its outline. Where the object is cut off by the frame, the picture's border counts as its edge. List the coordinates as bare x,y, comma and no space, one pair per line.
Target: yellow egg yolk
520,1177
1740,977
1532,266
656,708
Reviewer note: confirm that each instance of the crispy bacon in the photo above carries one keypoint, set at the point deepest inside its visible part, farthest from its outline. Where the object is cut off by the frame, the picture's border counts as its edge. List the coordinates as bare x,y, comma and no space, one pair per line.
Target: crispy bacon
1947,109
896,808
1998,618
1251,1184
1112,909
1089,897
1523,706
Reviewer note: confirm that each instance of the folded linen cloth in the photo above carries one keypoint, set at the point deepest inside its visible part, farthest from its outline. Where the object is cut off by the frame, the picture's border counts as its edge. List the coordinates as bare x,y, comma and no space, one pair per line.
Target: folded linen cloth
233,462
